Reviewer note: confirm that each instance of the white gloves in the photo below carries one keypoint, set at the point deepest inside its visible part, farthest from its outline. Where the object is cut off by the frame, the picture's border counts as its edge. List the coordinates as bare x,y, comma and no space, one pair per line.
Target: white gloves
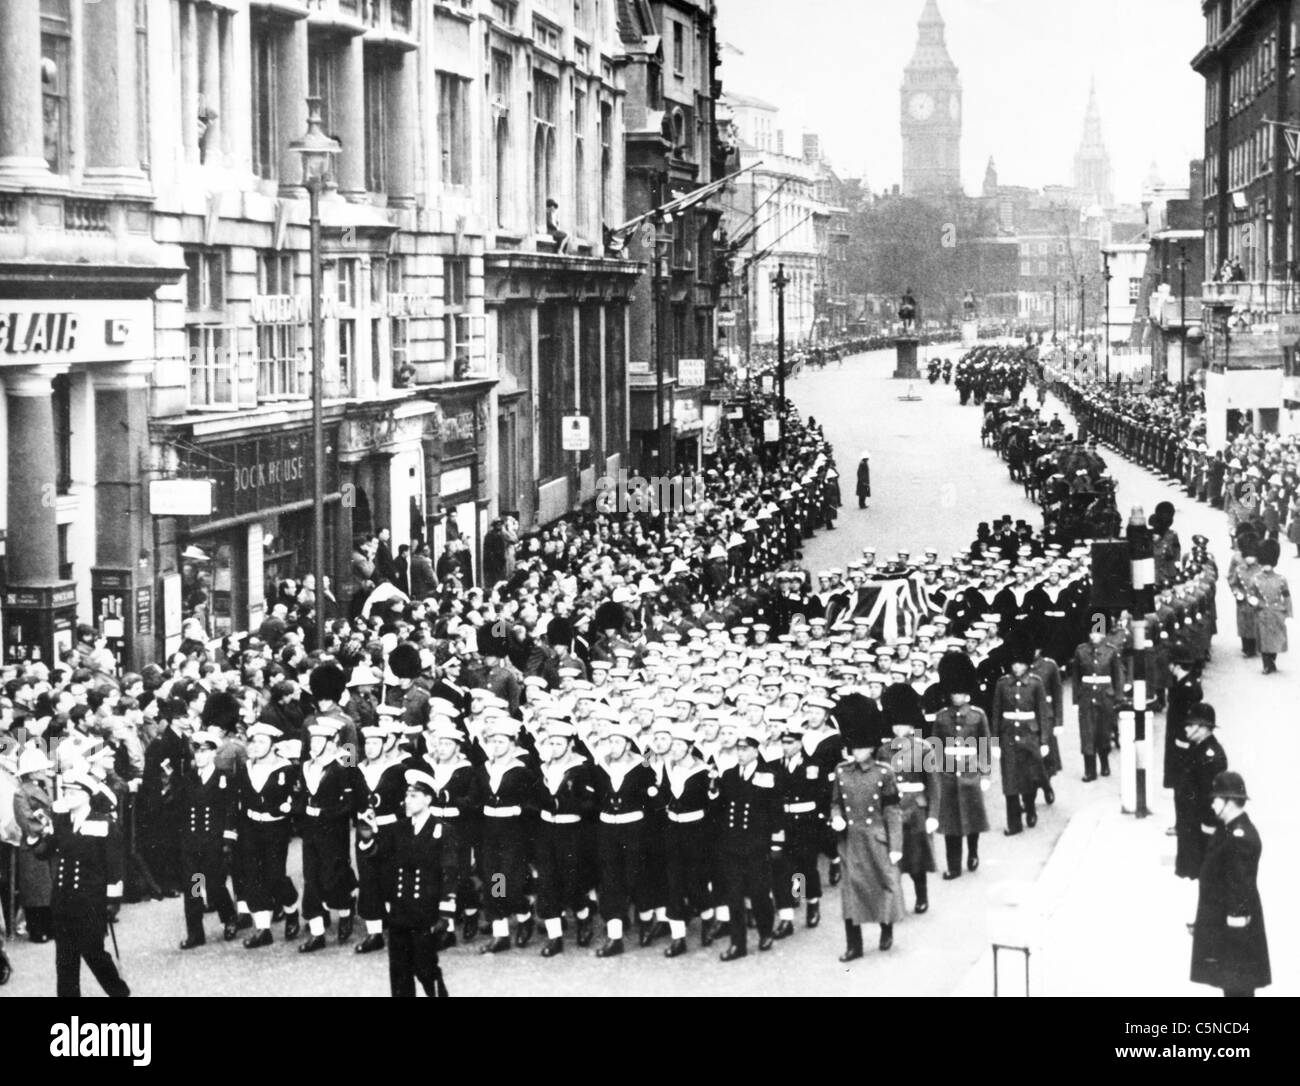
931,825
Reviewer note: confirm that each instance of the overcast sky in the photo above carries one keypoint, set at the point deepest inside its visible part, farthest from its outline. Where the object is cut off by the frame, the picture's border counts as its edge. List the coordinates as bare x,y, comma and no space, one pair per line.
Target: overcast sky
835,67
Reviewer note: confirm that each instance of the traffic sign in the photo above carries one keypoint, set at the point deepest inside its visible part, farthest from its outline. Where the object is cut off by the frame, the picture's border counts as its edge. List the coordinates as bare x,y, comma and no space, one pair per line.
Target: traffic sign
576,433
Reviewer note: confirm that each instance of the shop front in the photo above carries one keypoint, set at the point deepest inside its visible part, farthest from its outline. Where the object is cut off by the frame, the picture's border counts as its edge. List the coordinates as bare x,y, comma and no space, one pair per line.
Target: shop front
457,449
226,568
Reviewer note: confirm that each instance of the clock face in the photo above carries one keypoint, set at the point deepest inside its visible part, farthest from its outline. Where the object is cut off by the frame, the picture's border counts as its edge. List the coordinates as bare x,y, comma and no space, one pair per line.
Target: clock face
921,107
954,107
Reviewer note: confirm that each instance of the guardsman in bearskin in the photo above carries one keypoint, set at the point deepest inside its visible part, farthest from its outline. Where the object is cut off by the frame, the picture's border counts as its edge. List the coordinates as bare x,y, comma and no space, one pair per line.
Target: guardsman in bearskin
749,831
915,765
1098,687
568,803
206,798
1021,719
866,815
626,789
381,788
266,786
1193,799
412,691
414,892
688,840
85,850
1229,943
1274,605
458,807
510,800
802,787
329,802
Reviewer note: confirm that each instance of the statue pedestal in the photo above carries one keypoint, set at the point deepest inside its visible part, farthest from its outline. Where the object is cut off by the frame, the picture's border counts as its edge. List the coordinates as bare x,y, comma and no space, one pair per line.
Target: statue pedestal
970,333
906,348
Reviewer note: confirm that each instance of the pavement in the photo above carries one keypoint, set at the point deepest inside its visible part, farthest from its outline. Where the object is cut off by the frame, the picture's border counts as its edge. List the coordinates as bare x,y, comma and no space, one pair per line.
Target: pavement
1096,886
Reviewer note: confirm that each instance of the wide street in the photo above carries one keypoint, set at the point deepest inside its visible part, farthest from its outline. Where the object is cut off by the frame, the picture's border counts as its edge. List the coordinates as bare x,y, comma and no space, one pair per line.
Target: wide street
932,484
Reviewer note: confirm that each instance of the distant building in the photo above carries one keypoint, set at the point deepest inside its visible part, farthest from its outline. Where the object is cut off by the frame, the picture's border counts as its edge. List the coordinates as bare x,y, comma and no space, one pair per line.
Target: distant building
1093,177
930,113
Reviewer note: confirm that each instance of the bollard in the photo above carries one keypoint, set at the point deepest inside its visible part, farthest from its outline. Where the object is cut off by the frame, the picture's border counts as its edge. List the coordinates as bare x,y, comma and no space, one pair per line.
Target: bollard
1127,761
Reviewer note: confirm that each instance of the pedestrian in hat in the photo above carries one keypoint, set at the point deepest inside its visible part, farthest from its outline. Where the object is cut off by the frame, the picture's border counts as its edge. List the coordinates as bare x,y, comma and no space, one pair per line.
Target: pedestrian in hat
866,815
206,798
1229,943
85,850
32,807
1193,801
864,479
414,891
962,734
1274,605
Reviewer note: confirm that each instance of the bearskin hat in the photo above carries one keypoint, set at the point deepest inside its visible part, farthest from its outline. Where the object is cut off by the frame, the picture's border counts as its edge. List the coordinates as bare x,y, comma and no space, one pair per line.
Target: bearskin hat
404,661
1019,647
957,674
902,705
1269,552
328,680
610,616
860,722
221,710
559,631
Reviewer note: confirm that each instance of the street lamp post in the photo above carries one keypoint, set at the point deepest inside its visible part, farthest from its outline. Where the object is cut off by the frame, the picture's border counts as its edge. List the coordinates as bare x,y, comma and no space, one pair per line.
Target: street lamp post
1182,324
1083,310
1105,286
317,151
780,282
1054,313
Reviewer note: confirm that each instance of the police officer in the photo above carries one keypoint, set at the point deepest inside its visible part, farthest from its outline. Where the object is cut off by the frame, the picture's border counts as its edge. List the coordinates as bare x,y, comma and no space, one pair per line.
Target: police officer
1229,944
415,892
85,849
206,797
865,813
749,830
1193,801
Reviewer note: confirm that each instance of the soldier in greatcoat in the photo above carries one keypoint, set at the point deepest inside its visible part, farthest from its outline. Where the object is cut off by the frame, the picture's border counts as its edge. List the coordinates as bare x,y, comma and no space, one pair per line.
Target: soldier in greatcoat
1241,580
915,765
1098,686
960,732
1274,606
1229,943
865,813
1021,720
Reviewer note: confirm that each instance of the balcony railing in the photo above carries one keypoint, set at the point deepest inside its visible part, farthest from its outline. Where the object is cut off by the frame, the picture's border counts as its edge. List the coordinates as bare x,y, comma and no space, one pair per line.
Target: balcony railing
1259,296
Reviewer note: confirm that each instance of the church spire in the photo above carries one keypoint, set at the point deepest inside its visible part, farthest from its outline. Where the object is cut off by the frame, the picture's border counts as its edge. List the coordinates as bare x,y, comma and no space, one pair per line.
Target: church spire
991,178
1092,172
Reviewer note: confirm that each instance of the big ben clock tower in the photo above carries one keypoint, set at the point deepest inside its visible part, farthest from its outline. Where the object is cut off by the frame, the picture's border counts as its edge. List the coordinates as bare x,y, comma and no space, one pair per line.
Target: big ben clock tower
931,113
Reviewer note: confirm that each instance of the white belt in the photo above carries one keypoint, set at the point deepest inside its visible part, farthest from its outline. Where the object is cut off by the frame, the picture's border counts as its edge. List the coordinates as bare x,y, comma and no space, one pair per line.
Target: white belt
802,807
503,812
621,819
454,812
1020,716
313,811
1054,614
1096,679
911,786
560,819
685,816
385,820
258,816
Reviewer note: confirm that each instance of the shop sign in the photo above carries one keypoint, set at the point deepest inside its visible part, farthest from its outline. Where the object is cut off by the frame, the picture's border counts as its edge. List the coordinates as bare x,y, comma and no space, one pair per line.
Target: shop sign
412,305
289,308
690,373
260,473
87,330
180,497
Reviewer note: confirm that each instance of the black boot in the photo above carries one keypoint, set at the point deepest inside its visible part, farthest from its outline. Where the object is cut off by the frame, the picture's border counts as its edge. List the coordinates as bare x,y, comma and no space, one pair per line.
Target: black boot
1031,815
584,931
814,914
835,872
675,949
292,925
524,932
1089,768
853,942
469,928
552,947
783,930
495,945
192,941
709,932
230,931
315,943
345,928
886,936
922,893
1104,760
611,948
259,939
369,944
